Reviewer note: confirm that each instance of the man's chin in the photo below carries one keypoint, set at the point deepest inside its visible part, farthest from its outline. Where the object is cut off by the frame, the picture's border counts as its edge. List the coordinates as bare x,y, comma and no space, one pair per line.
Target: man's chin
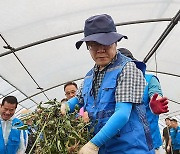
6,117
102,64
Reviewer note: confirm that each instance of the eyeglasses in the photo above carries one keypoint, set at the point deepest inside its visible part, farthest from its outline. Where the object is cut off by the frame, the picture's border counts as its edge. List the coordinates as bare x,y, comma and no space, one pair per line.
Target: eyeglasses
94,46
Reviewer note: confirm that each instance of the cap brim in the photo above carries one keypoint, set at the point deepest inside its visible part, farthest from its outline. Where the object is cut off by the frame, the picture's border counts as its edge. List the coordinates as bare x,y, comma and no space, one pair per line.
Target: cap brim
102,38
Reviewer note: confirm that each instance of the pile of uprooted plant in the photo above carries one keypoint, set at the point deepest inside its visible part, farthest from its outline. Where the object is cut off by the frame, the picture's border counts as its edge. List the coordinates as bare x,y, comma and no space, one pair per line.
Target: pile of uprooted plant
56,133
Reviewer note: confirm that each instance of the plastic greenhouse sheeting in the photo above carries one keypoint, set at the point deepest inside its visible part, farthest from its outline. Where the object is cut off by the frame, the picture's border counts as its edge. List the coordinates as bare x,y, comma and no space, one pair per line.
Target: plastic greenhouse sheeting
38,54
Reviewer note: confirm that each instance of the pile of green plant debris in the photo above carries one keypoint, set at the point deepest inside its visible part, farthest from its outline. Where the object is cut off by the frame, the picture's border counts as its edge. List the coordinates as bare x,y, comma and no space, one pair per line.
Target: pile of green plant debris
56,133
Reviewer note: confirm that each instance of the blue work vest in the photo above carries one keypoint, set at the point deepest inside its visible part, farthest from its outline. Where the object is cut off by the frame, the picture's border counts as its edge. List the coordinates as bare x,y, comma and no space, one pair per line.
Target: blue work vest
175,136
152,118
134,137
13,140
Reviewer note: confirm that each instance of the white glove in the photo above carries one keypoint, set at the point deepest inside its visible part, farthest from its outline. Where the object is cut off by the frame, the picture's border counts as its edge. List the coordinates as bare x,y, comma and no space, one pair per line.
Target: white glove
89,148
64,107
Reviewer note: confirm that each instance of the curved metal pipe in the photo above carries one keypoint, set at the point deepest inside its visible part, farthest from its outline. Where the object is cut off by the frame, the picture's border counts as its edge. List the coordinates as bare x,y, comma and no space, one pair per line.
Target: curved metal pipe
77,32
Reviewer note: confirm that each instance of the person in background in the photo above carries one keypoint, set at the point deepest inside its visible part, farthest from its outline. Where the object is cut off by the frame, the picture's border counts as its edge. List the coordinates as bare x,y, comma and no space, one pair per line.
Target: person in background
166,135
27,118
12,140
31,136
174,137
152,88
70,89
115,110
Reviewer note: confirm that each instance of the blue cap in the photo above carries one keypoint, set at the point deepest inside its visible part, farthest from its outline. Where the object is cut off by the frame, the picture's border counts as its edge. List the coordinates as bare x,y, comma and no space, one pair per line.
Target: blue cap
101,29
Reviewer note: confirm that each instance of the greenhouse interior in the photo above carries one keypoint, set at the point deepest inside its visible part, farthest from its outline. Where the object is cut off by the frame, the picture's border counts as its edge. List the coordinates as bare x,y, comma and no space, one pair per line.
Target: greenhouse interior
38,55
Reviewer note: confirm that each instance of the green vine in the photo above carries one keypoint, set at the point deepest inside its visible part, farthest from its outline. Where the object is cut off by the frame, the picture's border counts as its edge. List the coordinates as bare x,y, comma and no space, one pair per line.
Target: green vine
56,133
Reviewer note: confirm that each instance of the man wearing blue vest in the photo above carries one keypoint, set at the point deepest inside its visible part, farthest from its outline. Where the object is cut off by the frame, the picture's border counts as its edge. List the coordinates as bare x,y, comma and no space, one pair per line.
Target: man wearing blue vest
152,88
175,137
12,140
111,94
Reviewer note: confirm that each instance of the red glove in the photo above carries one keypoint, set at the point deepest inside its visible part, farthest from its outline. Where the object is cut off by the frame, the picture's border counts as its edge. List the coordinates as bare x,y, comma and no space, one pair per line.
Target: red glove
160,105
